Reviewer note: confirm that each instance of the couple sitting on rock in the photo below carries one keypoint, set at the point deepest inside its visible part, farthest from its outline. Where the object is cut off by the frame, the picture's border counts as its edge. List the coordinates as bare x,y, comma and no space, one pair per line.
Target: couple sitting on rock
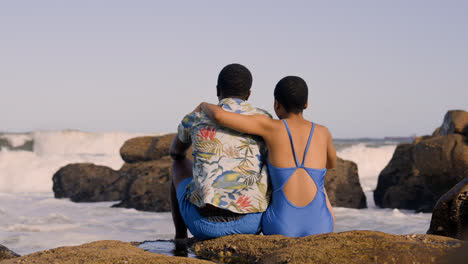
240,151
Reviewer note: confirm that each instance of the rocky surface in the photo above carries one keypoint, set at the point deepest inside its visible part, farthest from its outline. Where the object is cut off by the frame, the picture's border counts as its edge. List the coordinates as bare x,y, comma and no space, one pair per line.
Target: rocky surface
106,251
420,173
5,253
142,149
455,122
149,188
347,247
343,186
450,215
143,181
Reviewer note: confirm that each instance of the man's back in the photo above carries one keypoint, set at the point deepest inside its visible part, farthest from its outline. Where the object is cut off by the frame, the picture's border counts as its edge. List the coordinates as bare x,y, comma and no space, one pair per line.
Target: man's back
228,169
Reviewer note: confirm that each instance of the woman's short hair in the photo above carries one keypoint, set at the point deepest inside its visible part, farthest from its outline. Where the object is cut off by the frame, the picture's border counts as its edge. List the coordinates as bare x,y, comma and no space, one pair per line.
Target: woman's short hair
291,92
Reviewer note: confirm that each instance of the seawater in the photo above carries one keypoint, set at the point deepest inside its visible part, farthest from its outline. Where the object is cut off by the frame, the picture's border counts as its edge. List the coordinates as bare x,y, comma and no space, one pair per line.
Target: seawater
31,219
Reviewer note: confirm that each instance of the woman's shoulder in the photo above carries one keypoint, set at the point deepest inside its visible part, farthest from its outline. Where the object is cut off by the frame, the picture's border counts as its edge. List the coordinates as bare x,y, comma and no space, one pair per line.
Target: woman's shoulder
321,129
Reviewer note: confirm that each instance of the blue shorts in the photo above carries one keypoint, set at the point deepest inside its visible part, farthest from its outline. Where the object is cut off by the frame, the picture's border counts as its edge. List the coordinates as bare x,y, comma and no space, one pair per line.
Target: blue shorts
204,229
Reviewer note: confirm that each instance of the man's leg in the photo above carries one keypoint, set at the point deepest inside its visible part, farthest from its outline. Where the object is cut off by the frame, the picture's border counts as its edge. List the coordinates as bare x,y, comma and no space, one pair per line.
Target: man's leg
181,170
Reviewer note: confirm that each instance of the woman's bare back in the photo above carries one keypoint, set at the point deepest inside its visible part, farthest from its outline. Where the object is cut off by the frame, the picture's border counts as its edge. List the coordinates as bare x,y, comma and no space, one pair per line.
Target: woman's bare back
300,188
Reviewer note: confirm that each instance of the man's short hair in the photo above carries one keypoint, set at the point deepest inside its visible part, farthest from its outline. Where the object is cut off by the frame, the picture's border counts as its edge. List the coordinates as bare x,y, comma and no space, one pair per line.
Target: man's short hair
291,92
234,80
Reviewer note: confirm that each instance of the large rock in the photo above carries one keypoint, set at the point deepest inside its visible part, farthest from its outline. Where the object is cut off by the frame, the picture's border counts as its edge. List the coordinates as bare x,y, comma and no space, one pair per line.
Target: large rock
420,173
85,182
450,215
146,148
347,247
343,186
5,253
455,121
104,252
149,188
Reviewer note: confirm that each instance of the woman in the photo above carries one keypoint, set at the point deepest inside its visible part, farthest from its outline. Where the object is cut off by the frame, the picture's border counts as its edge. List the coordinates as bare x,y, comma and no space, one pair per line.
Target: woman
300,205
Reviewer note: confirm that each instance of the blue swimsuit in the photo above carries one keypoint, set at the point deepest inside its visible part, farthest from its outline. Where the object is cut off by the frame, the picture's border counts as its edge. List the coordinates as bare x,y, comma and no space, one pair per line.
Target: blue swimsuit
283,217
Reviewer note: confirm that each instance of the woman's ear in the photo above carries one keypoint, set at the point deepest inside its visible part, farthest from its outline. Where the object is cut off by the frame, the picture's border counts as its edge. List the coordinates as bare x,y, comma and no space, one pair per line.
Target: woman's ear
306,104
276,105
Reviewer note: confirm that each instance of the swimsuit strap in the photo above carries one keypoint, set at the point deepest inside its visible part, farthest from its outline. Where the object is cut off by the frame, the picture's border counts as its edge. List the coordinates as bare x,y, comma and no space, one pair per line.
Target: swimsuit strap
290,138
308,143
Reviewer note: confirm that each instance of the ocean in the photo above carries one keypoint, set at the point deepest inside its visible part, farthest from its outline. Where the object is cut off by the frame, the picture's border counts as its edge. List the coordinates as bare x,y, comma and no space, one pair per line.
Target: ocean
31,219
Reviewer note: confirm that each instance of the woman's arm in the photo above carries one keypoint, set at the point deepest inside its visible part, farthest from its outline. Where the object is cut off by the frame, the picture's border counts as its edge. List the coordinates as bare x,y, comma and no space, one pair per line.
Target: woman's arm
330,207
250,124
331,152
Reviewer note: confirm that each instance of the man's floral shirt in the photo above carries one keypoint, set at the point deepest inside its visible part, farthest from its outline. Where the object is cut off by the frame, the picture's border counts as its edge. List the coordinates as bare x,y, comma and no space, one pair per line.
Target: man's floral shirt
229,171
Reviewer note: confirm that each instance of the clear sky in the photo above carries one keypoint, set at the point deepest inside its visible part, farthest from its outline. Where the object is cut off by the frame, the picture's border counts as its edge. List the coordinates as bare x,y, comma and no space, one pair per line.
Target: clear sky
374,68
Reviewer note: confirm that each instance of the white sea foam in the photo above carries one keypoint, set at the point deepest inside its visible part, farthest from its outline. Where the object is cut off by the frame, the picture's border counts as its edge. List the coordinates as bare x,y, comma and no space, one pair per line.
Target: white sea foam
17,140
25,171
32,219
370,161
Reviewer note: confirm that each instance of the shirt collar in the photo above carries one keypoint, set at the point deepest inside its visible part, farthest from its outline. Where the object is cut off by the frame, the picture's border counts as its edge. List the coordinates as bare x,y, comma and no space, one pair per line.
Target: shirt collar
227,101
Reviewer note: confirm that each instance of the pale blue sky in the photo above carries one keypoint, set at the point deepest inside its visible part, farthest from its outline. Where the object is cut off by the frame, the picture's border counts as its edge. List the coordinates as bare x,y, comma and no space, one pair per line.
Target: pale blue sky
374,68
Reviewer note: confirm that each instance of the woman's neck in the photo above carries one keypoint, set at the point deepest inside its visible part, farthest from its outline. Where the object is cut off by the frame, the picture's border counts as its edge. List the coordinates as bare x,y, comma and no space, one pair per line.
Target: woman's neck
294,117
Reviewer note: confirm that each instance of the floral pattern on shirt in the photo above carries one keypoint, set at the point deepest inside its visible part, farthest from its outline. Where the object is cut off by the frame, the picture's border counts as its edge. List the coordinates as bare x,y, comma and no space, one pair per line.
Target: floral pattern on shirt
228,170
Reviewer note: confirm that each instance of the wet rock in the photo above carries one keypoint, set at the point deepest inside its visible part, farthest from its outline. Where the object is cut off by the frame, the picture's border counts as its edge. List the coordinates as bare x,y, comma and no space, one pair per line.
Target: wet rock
85,182
346,247
420,173
105,252
343,186
148,189
146,148
5,253
450,215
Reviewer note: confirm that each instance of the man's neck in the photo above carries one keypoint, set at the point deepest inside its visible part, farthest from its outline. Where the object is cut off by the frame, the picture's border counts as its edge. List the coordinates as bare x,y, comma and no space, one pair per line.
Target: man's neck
243,98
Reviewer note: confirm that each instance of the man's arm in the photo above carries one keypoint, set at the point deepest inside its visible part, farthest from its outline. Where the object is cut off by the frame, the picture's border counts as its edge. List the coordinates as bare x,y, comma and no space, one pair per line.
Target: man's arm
178,149
251,124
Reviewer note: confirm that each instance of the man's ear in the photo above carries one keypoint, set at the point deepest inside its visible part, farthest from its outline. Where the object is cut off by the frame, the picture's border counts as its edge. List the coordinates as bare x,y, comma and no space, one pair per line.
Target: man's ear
247,98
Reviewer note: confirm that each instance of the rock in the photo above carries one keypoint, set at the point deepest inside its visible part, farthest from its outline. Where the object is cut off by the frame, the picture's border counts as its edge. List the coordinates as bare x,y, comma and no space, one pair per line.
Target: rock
5,253
343,186
100,252
347,247
420,173
85,182
149,188
455,121
146,148
450,215
442,156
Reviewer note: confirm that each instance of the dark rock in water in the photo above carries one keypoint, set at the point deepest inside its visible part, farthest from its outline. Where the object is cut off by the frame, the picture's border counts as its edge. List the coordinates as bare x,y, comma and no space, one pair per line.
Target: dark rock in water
347,247
455,121
420,173
85,182
343,186
146,148
5,253
149,188
450,215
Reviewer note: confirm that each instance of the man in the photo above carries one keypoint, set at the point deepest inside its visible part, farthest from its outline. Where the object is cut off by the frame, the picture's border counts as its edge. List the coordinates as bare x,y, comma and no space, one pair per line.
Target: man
225,190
